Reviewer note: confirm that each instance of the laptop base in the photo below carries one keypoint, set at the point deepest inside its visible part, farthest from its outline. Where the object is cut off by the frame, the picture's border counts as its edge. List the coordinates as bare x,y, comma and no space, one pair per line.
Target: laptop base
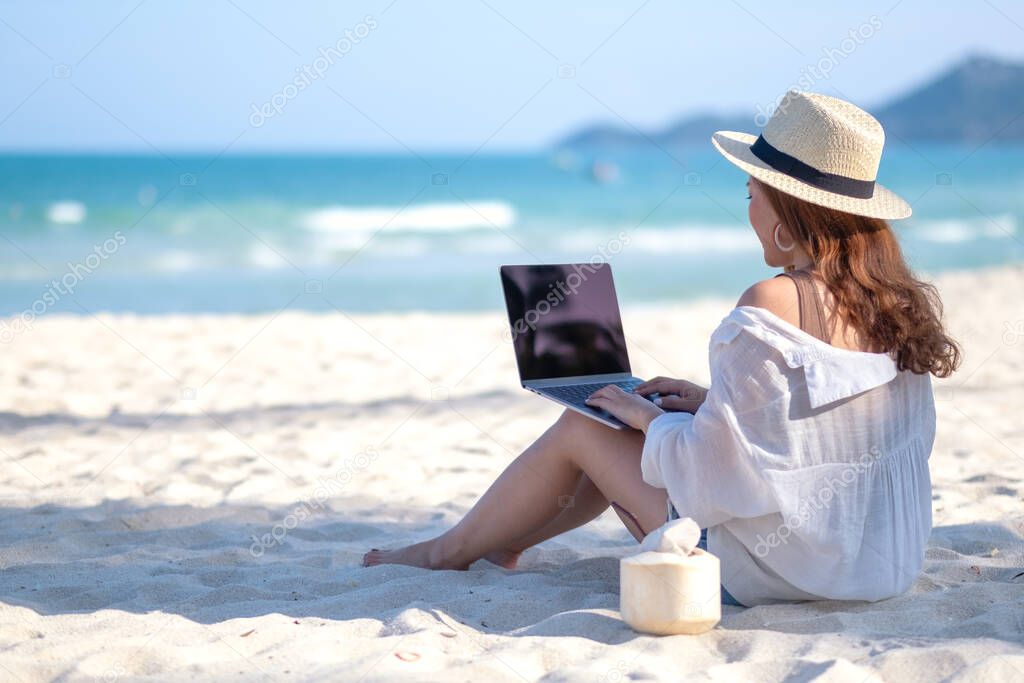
573,393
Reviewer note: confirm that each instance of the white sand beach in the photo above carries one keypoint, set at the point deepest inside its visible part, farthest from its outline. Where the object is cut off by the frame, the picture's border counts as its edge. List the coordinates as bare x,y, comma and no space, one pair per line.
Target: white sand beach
189,497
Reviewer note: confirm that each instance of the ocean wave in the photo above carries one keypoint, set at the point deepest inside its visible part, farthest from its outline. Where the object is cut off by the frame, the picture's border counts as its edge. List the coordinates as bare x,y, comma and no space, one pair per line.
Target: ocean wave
176,261
66,212
695,239
955,231
172,251
266,257
685,239
559,243
440,217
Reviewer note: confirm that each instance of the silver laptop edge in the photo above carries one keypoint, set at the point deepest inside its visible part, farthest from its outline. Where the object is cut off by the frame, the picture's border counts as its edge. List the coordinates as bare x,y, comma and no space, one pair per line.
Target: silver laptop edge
580,379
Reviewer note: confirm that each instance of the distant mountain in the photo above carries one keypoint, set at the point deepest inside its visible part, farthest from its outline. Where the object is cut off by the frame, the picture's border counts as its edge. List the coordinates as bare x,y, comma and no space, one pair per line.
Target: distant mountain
695,129
978,99
975,100
701,127
603,136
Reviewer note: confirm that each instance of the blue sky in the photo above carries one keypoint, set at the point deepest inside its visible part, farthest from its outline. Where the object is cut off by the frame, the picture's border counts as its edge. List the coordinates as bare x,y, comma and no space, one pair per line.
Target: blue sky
458,75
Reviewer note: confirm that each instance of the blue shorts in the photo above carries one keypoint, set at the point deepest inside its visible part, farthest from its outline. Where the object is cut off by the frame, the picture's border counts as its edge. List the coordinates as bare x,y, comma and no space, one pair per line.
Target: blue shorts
727,598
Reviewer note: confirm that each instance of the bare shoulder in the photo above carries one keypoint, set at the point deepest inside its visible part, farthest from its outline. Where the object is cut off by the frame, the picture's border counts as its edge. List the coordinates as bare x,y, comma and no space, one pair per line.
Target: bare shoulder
776,295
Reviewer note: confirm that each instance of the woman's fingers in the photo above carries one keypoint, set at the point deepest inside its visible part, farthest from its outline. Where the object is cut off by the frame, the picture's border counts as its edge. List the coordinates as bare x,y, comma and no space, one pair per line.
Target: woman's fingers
677,403
652,381
605,397
658,384
607,391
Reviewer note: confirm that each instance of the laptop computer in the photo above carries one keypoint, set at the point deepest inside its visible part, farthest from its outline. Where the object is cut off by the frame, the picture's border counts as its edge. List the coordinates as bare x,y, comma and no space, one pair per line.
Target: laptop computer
567,333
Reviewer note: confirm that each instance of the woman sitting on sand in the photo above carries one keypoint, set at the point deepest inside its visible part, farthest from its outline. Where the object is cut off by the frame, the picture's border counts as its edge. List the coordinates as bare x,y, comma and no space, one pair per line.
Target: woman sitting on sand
806,460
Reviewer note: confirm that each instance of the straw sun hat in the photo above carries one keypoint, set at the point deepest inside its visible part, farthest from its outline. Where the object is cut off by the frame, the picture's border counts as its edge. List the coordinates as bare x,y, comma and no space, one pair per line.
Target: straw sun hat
820,149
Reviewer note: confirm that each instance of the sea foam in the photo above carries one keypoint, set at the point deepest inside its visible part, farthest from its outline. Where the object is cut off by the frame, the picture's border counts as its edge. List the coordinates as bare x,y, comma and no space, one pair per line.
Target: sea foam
440,217
675,239
66,212
955,231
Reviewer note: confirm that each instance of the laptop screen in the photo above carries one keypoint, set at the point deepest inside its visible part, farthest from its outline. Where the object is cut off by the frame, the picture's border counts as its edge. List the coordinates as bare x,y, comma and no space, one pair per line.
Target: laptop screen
564,320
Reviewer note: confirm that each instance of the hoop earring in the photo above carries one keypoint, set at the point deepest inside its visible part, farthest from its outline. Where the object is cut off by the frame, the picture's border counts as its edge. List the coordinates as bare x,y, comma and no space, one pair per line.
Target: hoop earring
778,244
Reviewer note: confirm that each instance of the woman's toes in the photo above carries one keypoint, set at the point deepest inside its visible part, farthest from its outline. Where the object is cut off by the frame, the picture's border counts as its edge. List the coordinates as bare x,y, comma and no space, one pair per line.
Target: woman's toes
427,554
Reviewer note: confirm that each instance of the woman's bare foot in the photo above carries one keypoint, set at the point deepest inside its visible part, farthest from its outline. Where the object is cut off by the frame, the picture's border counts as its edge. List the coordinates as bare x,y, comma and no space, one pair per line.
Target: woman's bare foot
504,558
426,554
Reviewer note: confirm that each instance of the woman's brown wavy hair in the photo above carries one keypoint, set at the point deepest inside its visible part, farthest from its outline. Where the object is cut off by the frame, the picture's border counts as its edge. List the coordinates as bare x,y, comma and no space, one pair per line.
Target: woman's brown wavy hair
875,291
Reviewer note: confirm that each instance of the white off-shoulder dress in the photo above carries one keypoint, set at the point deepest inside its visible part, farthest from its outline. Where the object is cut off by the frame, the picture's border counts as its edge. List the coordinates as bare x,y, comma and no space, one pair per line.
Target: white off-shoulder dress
807,463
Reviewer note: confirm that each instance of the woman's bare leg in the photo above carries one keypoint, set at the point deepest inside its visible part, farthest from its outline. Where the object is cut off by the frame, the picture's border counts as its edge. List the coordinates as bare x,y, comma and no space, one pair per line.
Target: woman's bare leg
583,506
525,498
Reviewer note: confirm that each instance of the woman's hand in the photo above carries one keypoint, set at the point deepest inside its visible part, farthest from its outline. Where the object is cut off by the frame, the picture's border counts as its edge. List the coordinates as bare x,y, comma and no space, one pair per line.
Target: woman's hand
633,409
675,394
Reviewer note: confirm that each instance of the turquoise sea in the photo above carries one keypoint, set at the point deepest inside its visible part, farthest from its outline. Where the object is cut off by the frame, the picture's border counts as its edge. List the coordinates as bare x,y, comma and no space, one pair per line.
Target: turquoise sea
153,234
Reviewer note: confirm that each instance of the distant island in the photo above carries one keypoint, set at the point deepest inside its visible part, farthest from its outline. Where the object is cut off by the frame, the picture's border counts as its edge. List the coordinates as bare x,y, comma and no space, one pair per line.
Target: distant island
978,99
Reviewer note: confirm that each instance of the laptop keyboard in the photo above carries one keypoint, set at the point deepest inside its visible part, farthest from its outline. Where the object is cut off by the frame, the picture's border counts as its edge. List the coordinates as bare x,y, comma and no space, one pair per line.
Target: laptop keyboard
578,393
